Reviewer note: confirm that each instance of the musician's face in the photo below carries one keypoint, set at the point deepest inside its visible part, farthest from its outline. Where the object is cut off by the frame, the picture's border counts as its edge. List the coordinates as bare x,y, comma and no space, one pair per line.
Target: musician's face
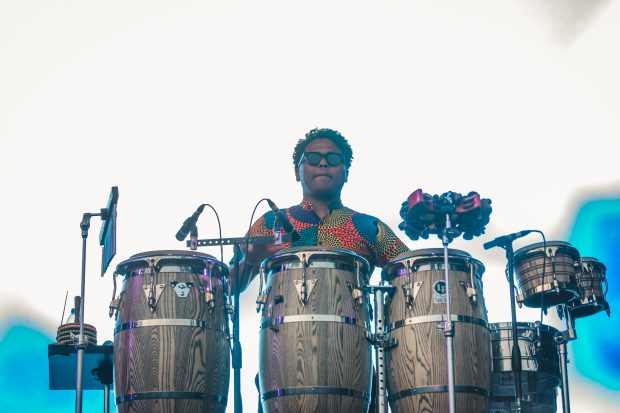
322,181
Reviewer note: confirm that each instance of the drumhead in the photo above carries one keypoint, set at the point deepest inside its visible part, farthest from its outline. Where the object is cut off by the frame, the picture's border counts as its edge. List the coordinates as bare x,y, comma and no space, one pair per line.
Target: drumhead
198,261
429,255
538,248
314,255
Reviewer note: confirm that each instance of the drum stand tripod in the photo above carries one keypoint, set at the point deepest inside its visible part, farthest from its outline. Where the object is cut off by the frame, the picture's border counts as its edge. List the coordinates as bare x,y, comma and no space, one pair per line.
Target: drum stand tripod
560,339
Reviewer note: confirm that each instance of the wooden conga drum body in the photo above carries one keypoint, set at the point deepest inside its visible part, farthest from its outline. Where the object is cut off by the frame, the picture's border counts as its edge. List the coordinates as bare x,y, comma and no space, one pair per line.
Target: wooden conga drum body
171,351
417,366
592,287
314,355
546,274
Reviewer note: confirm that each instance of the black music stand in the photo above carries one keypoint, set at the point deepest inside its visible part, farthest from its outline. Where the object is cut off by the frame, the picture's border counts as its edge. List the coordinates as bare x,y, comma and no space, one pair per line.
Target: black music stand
98,362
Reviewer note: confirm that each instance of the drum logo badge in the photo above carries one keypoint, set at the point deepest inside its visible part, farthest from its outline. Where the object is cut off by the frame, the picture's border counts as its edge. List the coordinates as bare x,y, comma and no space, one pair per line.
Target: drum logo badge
439,292
181,288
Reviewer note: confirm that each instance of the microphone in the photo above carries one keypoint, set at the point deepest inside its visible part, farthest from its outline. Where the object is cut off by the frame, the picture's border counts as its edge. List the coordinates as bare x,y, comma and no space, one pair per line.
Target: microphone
189,223
505,239
283,220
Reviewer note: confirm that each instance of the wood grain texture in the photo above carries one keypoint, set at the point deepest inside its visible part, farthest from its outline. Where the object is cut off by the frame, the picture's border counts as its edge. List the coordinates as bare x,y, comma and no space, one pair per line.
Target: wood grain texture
172,358
420,360
308,353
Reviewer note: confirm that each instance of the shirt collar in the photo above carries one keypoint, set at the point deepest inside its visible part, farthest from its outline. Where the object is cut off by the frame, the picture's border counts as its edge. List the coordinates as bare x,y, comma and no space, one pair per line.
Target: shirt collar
307,205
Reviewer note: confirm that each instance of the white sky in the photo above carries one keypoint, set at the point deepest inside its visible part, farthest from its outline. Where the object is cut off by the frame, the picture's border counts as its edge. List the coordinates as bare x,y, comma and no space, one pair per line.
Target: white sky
179,103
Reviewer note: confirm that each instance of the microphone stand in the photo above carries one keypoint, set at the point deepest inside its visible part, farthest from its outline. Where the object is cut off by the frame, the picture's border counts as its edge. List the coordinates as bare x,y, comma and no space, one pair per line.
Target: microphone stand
81,344
560,339
506,243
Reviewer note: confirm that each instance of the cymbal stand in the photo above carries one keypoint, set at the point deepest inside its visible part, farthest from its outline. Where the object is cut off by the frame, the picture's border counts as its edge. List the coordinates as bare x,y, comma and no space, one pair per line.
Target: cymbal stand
560,339
447,208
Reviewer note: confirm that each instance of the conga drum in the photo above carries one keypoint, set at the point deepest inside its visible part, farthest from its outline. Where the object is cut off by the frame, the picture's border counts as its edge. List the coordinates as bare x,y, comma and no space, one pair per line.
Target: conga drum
314,355
540,363
592,287
546,275
417,366
171,350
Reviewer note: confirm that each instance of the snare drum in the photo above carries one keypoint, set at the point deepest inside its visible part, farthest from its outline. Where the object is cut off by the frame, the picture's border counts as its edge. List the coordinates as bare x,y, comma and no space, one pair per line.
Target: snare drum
171,351
314,355
539,358
417,367
592,285
546,276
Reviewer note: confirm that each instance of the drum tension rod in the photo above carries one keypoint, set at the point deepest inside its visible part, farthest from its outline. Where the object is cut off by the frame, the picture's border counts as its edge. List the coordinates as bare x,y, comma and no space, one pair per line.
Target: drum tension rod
208,292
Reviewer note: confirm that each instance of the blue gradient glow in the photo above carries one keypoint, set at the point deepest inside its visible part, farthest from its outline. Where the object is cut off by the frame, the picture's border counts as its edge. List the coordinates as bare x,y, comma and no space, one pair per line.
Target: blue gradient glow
596,233
24,374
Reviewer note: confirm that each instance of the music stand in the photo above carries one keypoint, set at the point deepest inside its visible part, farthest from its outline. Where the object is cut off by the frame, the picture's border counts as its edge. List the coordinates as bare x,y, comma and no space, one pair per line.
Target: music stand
98,362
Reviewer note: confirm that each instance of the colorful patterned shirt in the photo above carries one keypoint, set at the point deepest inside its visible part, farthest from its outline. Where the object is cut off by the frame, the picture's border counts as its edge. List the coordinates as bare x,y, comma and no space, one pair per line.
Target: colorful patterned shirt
341,228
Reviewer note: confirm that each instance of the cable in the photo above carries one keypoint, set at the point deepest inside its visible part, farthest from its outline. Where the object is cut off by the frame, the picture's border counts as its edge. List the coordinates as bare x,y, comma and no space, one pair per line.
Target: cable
219,224
247,235
542,294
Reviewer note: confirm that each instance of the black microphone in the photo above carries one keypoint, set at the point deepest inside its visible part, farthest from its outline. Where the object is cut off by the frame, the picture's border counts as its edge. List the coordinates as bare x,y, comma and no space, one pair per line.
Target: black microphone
283,220
189,223
505,239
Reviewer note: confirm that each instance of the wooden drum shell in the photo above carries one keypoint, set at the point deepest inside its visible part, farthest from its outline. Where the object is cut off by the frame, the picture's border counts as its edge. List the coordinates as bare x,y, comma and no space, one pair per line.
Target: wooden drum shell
417,365
314,357
177,358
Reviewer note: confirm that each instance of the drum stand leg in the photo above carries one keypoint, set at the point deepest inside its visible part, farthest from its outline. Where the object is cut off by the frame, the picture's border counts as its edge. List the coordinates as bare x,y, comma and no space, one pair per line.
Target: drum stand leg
561,338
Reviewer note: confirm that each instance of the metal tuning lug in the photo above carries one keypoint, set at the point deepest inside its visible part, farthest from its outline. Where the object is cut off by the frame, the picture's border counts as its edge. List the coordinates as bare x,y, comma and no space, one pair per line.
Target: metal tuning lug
408,295
153,296
261,300
210,300
114,305
358,297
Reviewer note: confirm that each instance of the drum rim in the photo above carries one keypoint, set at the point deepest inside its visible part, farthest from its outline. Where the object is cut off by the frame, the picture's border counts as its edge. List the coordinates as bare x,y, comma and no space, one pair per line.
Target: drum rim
168,254
437,253
518,254
592,260
265,264
505,325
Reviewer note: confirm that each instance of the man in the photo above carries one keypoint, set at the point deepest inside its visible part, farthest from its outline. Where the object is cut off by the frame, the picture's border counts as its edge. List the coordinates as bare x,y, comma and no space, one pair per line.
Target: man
322,161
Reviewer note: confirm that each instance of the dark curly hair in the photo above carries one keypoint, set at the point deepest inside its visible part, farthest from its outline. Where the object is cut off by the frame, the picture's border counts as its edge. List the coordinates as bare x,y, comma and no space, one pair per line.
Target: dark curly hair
324,133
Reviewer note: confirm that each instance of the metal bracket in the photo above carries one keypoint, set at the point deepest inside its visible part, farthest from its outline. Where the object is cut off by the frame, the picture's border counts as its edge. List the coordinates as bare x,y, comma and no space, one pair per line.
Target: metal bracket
182,289
304,289
382,340
159,288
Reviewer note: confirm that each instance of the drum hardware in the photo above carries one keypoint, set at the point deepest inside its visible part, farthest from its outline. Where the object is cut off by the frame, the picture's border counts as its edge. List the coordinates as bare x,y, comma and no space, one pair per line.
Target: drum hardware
381,340
115,302
261,299
151,292
472,294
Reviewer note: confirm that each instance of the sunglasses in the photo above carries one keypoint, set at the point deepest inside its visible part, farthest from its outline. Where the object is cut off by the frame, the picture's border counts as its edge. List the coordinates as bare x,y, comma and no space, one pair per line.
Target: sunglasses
314,158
